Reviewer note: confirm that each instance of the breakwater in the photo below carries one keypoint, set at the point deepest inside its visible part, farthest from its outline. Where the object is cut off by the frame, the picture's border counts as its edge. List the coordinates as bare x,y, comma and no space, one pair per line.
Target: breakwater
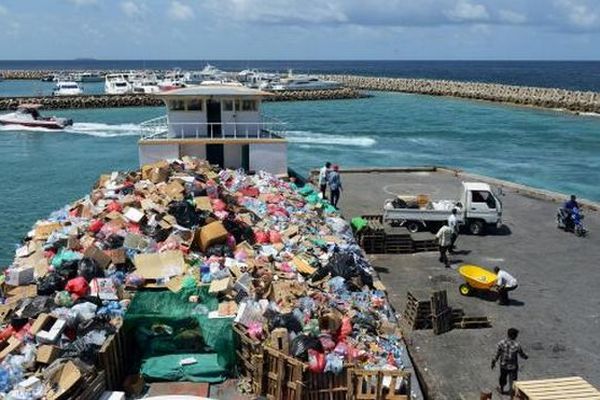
145,100
574,101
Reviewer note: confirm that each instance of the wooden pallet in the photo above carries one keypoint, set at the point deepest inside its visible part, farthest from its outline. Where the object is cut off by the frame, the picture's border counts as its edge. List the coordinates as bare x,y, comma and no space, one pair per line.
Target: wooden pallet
418,311
113,357
376,385
573,388
250,359
91,388
471,323
441,314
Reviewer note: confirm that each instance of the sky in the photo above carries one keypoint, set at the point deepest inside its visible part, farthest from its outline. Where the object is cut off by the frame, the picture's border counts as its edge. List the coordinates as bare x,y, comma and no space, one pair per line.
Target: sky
300,29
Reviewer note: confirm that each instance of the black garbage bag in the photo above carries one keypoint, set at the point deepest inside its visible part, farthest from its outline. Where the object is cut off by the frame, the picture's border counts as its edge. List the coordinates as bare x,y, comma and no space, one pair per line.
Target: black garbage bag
82,349
114,241
349,266
366,322
302,343
219,250
240,230
50,284
31,307
288,321
89,269
156,232
68,269
185,214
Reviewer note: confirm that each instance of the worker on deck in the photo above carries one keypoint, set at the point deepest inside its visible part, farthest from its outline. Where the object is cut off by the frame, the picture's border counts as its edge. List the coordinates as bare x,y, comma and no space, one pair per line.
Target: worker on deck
505,283
453,224
444,236
335,185
507,352
323,178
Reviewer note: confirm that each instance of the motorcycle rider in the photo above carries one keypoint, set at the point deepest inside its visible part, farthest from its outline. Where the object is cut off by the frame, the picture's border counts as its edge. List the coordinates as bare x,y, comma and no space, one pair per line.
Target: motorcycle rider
567,211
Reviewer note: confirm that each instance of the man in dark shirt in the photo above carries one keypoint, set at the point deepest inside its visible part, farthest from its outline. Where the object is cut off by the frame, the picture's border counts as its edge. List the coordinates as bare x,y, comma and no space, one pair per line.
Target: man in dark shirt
571,204
508,352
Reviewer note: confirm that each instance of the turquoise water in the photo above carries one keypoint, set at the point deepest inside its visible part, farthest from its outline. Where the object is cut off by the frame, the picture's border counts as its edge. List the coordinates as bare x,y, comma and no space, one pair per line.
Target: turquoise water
43,170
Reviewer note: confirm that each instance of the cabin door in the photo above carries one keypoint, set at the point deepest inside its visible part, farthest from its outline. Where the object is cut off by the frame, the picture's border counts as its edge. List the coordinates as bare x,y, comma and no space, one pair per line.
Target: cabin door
213,117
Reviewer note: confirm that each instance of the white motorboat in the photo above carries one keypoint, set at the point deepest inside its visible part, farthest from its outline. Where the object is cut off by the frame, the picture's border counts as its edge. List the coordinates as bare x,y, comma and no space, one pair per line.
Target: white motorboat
145,86
88,77
172,80
303,82
256,79
67,88
116,84
29,116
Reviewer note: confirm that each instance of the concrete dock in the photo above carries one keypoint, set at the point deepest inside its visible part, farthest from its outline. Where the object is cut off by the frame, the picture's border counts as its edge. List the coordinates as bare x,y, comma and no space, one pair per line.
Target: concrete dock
556,306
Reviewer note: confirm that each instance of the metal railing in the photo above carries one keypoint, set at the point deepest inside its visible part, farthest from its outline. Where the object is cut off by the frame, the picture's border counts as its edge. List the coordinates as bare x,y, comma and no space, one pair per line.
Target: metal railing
161,129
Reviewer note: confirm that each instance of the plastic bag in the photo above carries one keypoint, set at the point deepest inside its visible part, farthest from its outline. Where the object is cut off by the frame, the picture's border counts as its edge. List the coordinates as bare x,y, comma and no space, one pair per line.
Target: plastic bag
68,269
302,343
186,214
288,321
219,250
316,361
50,283
334,363
63,299
78,287
88,268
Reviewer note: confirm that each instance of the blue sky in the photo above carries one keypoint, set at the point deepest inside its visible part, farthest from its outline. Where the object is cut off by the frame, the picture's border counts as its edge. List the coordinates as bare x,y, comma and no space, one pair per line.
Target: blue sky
300,29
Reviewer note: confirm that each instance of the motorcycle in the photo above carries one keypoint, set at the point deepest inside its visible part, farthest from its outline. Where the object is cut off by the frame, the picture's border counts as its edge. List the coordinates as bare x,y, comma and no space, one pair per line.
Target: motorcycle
571,221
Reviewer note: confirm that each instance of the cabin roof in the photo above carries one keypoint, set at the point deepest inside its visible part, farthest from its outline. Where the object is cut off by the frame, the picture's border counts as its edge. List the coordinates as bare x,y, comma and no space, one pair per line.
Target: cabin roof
214,90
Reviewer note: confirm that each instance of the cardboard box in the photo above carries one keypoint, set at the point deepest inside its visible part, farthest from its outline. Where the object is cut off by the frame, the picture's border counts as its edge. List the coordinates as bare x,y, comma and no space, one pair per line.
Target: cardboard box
135,242
19,275
49,329
203,203
117,256
133,385
8,346
219,285
213,233
62,381
174,190
44,230
100,256
46,354
160,265
134,215
104,288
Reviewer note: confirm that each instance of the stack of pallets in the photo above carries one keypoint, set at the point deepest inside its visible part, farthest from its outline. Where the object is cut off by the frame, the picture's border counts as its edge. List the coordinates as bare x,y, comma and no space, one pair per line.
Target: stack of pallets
441,314
417,313
424,241
372,237
398,240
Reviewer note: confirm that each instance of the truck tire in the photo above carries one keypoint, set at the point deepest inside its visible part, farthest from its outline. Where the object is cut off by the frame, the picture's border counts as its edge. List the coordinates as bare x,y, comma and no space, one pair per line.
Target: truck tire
412,226
476,227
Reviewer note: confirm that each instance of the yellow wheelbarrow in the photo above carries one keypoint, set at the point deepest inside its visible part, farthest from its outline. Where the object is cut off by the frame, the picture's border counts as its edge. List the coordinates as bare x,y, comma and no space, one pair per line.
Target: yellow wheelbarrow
476,278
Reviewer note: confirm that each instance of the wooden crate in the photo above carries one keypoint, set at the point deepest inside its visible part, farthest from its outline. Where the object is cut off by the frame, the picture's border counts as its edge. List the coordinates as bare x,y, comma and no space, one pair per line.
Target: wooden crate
113,358
284,376
379,385
573,388
91,388
417,313
250,359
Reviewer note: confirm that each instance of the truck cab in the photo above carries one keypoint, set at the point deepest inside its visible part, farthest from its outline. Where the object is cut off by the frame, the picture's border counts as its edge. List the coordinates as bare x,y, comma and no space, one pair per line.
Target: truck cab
481,207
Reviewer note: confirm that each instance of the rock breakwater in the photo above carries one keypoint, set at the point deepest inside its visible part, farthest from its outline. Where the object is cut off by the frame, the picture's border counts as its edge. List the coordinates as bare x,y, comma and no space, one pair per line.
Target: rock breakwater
145,100
574,101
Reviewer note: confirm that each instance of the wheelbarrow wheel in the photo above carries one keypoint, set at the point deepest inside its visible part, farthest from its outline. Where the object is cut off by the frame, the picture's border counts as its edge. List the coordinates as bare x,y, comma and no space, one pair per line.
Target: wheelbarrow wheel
465,289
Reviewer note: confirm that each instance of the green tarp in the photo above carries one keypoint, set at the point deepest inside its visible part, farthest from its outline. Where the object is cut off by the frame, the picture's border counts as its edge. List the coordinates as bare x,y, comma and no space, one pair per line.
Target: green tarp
169,368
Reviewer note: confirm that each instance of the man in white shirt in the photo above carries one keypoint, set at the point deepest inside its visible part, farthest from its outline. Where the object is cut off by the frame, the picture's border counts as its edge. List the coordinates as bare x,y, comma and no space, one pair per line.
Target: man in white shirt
453,224
323,178
505,283
444,236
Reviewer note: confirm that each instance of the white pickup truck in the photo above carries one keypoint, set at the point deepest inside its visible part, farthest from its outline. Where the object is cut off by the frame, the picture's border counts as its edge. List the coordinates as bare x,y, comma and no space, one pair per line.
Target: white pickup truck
477,208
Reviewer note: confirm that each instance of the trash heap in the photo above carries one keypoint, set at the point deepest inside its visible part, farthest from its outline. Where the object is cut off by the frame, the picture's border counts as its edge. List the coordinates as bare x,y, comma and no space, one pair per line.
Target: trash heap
176,254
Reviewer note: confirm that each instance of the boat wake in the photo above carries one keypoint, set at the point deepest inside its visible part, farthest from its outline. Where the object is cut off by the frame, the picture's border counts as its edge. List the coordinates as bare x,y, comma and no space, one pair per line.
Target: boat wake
319,139
103,130
21,128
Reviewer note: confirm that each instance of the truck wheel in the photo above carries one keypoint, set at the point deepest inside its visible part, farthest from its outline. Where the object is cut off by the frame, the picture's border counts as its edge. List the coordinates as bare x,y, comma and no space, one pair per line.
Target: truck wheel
476,227
412,226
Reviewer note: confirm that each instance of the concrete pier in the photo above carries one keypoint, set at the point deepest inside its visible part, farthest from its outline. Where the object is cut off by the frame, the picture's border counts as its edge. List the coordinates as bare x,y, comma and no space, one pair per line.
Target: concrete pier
555,306
569,100
145,100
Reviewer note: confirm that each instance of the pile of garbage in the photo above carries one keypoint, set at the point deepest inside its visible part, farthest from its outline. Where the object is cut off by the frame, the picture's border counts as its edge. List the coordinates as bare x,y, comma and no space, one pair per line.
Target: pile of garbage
250,250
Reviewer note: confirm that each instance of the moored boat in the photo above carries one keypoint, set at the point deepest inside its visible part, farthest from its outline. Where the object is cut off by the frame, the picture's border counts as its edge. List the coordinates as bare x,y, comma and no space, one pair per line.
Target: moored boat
28,115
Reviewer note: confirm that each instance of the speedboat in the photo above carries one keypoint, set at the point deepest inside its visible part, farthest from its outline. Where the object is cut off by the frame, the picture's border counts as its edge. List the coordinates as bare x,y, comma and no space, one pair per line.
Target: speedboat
116,84
172,80
88,77
145,86
29,116
66,88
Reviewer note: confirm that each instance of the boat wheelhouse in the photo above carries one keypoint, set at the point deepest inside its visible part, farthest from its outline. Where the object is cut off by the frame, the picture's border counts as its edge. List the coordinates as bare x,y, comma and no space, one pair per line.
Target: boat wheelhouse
221,123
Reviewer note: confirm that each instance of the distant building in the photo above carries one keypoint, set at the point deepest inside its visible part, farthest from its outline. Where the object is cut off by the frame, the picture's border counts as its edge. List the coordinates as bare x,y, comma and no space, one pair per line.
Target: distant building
221,123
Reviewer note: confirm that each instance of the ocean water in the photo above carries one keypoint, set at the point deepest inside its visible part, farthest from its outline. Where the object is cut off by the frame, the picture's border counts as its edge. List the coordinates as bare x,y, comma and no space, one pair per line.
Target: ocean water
577,75
42,171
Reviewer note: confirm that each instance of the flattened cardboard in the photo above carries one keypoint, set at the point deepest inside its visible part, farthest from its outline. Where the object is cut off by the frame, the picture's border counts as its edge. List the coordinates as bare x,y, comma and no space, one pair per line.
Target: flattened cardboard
63,380
47,353
227,308
100,256
159,265
117,256
44,230
39,323
134,215
174,190
8,346
302,266
203,203
219,285
175,284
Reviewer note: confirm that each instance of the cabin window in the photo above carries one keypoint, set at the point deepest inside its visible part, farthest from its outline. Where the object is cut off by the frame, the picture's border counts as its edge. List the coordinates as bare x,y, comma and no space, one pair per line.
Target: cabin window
194,105
249,105
480,196
177,105
227,105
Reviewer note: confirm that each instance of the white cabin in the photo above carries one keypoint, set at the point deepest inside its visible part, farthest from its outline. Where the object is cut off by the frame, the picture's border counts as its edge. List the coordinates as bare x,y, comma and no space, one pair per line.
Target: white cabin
221,123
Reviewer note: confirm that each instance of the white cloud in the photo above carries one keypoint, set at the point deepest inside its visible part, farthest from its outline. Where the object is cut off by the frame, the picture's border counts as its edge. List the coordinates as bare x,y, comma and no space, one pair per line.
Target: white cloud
180,12
83,2
579,14
130,8
463,10
512,17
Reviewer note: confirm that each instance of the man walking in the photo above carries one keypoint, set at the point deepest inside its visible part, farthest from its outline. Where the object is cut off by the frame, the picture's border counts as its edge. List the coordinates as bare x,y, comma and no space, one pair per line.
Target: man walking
505,283
507,352
444,236
453,224
335,185
323,178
